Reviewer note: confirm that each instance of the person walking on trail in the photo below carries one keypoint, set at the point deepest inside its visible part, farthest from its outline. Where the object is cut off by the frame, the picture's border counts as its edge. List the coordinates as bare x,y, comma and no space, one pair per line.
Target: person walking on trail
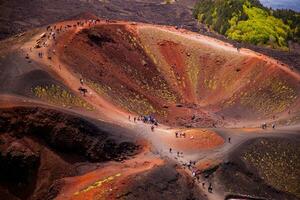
152,128
81,81
193,174
210,188
129,117
82,90
170,150
273,126
176,134
134,119
229,140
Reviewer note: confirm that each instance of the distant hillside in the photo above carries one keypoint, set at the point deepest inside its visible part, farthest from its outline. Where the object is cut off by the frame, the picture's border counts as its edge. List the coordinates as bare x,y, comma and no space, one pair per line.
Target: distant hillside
249,21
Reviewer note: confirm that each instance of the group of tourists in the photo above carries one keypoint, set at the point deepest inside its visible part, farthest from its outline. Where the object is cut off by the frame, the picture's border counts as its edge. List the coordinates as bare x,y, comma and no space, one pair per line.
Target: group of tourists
264,126
147,119
180,134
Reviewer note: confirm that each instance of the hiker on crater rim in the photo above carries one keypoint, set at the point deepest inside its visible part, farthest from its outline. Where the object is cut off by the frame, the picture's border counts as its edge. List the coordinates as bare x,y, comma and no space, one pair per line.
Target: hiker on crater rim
264,126
83,90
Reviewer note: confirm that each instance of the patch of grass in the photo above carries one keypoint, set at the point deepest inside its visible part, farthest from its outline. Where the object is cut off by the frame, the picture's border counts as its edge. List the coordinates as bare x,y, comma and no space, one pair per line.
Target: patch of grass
127,99
278,163
274,97
57,95
210,84
98,183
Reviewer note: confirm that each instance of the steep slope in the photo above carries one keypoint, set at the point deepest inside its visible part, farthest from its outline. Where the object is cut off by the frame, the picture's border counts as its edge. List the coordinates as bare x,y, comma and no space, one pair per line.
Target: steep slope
175,75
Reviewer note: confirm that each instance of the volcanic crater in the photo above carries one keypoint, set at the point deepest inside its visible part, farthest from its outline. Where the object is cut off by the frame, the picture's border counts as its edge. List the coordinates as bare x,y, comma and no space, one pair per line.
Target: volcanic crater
58,143
181,78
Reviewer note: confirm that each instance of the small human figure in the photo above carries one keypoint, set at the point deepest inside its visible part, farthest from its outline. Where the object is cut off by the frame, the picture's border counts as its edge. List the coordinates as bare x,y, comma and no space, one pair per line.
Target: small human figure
152,128
83,90
170,150
134,119
129,117
229,140
193,174
273,126
81,81
176,134
178,153
210,188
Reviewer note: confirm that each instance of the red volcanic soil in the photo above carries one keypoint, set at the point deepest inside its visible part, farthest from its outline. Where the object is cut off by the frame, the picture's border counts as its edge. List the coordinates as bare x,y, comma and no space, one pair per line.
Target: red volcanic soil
41,145
181,78
195,140
107,182
172,53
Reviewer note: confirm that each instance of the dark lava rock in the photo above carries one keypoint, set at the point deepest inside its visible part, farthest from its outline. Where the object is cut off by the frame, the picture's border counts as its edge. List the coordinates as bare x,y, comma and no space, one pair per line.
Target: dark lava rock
264,168
163,182
65,133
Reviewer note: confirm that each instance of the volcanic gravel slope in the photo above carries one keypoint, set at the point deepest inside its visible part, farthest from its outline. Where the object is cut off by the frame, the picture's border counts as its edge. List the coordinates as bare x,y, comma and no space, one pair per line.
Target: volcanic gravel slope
263,167
179,77
39,146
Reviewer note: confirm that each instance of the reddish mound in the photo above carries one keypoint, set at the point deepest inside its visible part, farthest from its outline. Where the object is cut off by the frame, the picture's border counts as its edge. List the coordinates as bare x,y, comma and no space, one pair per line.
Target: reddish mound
194,141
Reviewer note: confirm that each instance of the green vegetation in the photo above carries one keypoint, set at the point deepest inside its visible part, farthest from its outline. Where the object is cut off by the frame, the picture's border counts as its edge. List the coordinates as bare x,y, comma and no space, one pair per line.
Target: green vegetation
259,29
291,18
248,21
277,162
126,98
59,96
274,97
99,184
